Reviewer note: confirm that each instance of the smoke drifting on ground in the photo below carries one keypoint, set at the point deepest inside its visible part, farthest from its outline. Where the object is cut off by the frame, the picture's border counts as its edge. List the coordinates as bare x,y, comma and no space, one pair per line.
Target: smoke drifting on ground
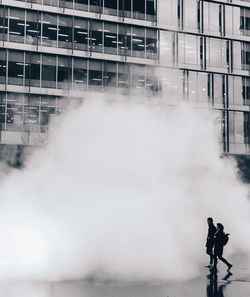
122,191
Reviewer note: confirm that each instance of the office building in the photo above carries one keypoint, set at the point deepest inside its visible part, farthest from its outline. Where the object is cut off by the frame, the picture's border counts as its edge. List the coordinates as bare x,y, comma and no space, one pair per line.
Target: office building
56,51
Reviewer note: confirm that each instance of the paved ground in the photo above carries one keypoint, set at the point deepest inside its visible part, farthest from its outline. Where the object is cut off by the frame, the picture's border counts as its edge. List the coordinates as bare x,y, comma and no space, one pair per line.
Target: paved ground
223,284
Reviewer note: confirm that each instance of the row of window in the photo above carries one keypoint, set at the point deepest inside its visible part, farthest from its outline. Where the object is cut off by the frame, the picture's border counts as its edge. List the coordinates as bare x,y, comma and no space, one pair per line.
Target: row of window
138,9
47,29
32,113
178,49
206,17
62,72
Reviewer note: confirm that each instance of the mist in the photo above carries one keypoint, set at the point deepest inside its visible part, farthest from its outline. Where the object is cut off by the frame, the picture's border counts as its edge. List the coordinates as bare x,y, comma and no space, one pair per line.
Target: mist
121,192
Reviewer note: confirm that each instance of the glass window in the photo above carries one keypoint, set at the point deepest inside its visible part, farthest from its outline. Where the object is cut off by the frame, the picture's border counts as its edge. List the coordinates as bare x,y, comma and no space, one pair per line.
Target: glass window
168,13
110,74
50,2
81,34
237,62
212,18
96,6
150,10
33,27
124,42
110,7
139,8
31,110
3,23
66,3
64,73
47,108
190,14
123,76
15,111
245,56
48,71
3,114
246,90
80,74
151,44
16,68
81,4
218,89
110,38
95,73
16,25
217,53
96,36
202,83
167,48
138,42
138,79
3,63
32,74
151,81
125,8
49,37
191,50
65,32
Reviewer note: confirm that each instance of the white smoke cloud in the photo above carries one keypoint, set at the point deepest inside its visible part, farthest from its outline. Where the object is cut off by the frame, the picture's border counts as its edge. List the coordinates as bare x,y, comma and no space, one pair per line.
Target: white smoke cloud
122,191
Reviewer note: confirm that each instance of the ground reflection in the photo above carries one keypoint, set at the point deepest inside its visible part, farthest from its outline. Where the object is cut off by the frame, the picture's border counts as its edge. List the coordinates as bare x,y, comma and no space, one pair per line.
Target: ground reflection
215,289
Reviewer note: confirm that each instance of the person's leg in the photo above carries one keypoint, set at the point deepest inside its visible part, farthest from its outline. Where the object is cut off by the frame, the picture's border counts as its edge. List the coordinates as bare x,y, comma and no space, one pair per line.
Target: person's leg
225,261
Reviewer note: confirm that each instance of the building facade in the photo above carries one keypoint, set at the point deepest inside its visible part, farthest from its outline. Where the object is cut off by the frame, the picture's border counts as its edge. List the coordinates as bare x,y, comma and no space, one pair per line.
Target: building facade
56,51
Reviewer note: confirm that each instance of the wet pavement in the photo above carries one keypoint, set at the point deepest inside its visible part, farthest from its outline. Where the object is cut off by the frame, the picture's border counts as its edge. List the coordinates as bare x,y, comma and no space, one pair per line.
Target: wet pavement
221,284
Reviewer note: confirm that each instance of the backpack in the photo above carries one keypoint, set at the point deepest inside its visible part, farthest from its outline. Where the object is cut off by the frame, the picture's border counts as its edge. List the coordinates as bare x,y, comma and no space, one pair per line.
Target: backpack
225,238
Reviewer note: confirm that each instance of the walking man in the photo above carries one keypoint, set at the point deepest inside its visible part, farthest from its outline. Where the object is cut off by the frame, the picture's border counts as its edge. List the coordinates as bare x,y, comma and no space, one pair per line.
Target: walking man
210,240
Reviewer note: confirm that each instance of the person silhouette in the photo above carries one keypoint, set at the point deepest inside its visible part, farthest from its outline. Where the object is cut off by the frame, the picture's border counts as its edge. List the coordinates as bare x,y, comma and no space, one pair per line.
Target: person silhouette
219,242
210,240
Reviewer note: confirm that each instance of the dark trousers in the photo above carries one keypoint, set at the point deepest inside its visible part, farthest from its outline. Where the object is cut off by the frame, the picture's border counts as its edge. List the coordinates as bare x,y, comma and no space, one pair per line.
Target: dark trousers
218,253
209,251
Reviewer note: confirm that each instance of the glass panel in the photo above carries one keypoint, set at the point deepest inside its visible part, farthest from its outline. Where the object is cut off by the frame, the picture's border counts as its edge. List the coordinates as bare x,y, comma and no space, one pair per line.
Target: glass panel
123,76
80,74
3,65
49,37
33,61
138,79
64,73
81,4
33,27
81,34
95,73
16,68
96,36
110,38
151,44
110,7
190,10
167,48
168,13
3,23
16,25
31,111
48,71
96,6
138,42
150,10
139,7
110,74
65,32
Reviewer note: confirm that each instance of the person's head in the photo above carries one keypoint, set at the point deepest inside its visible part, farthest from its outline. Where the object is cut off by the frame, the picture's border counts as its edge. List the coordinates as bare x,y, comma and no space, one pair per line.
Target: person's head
209,221
220,227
